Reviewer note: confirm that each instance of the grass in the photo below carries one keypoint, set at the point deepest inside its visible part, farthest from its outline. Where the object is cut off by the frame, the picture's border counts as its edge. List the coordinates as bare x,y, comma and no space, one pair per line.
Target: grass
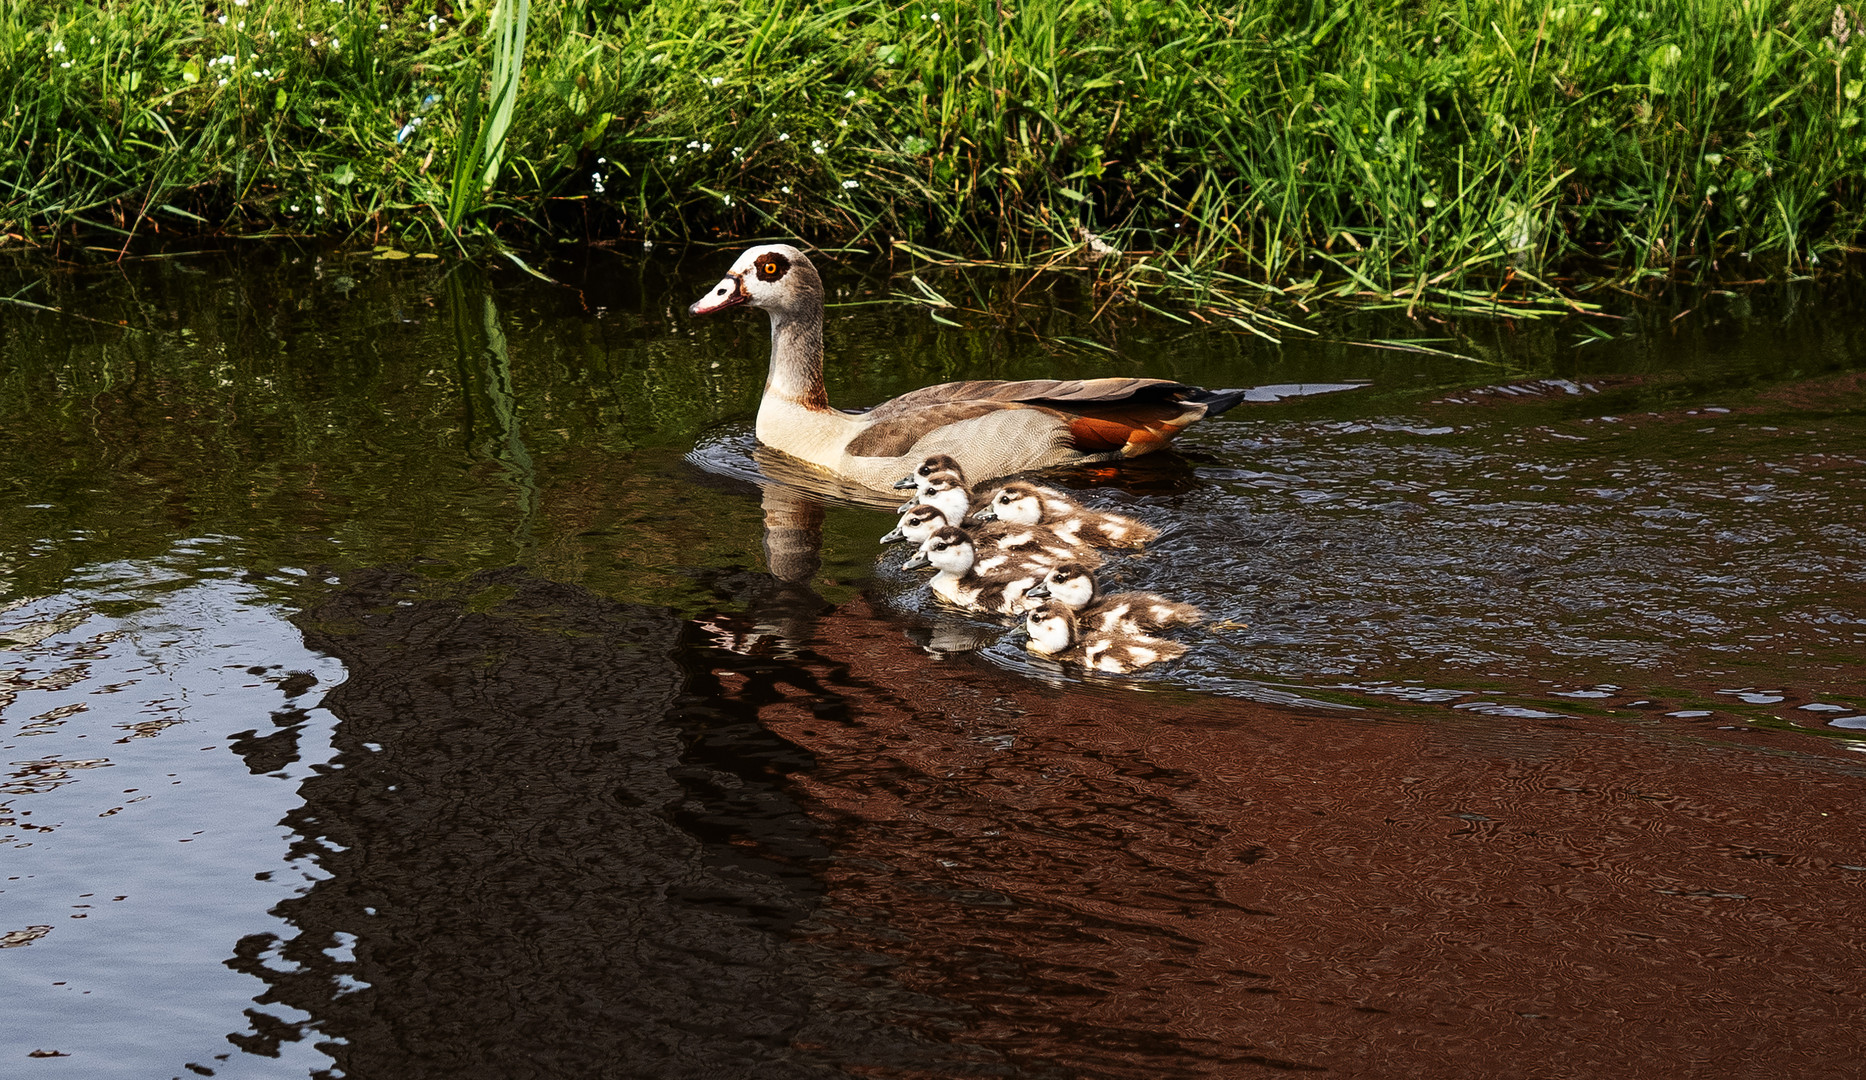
1447,154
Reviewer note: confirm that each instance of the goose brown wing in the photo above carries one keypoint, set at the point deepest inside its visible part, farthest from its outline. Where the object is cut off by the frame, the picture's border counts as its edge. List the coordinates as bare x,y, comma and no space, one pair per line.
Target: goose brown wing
1131,416
1063,394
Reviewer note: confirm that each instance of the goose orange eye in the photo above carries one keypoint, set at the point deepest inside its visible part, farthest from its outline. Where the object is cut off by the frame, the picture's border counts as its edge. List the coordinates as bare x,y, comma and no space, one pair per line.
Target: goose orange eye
770,268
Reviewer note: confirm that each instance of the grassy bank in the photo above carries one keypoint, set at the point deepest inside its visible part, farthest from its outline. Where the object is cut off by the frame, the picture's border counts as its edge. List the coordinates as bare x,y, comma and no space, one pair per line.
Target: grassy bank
1419,150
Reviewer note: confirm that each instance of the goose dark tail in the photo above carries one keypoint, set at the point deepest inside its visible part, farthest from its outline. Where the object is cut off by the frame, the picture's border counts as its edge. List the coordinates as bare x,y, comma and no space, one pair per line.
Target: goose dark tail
1217,401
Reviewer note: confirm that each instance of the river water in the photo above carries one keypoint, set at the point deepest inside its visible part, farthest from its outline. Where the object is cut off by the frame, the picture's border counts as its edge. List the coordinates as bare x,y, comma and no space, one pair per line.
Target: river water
409,668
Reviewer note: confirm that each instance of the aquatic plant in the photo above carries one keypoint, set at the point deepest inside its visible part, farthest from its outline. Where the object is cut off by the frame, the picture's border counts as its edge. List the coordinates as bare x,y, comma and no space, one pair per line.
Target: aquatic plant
480,143
1200,156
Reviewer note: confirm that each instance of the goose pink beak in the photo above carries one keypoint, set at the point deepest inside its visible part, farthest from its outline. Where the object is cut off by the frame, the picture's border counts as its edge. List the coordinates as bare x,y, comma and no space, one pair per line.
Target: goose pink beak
728,293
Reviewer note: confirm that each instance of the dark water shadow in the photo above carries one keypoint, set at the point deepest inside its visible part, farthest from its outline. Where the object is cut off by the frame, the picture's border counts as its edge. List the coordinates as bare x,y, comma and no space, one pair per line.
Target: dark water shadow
551,853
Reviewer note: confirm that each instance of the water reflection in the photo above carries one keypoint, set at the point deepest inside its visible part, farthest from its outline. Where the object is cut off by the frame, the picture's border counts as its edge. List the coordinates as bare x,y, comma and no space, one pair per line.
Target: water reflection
152,747
516,716
548,852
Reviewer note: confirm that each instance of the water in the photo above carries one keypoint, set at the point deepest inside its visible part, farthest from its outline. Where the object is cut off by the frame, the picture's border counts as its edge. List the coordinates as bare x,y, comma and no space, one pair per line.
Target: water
415,671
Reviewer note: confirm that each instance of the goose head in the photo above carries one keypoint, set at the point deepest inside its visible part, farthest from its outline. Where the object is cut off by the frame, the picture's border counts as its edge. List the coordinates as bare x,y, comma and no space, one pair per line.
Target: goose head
1052,628
948,550
1017,504
947,491
917,523
1070,582
938,463
775,277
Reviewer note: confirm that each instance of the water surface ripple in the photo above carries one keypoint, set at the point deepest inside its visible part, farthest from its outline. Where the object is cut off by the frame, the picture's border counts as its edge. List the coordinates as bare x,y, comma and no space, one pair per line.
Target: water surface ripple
409,672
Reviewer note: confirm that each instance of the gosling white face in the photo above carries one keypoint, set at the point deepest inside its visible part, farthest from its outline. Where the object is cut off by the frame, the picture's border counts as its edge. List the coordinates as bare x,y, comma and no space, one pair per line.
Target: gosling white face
1073,584
917,524
938,463
1052,628
1018,505
946,490
948,550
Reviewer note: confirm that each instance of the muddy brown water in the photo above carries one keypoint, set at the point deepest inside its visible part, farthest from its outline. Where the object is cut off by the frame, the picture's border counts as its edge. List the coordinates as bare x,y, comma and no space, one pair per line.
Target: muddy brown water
412,670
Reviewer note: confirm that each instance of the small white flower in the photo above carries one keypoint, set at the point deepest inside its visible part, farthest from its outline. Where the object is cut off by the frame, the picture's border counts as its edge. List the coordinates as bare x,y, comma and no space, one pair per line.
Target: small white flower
672,158
67,64
222,82
597,187
384,26
694,145
936,16
602,161
847,184
58,46
727,198
785,189
241,3
294,208
647,245
93,41
844,123
783,136
706,148
222,20
716,80
849,94
320,209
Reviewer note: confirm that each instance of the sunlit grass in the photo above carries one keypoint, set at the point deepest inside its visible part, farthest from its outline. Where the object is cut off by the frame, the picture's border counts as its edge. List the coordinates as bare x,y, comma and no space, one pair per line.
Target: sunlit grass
1441,153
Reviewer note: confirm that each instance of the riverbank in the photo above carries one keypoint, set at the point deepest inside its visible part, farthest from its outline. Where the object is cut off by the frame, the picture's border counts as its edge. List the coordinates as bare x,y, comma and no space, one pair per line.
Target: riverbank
1431,153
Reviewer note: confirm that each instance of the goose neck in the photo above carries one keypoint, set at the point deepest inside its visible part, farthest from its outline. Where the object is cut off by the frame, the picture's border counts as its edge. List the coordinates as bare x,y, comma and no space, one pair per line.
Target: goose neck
796,373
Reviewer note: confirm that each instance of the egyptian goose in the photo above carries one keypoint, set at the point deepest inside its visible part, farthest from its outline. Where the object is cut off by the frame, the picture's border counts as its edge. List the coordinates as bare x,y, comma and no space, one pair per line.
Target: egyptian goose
995,584
1074,584
1033,542
1055,634
1028,504
991,428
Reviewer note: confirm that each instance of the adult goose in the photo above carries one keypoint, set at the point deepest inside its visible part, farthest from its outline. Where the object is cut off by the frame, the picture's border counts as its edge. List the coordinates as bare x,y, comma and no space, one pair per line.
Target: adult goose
991,428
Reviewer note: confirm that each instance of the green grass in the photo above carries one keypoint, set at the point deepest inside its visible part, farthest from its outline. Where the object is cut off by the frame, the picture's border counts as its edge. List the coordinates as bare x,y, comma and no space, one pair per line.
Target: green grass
1447,153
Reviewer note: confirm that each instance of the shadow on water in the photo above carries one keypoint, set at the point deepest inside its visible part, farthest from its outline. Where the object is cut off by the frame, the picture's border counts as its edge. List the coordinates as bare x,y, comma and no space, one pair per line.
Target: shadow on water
410,674
553,853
